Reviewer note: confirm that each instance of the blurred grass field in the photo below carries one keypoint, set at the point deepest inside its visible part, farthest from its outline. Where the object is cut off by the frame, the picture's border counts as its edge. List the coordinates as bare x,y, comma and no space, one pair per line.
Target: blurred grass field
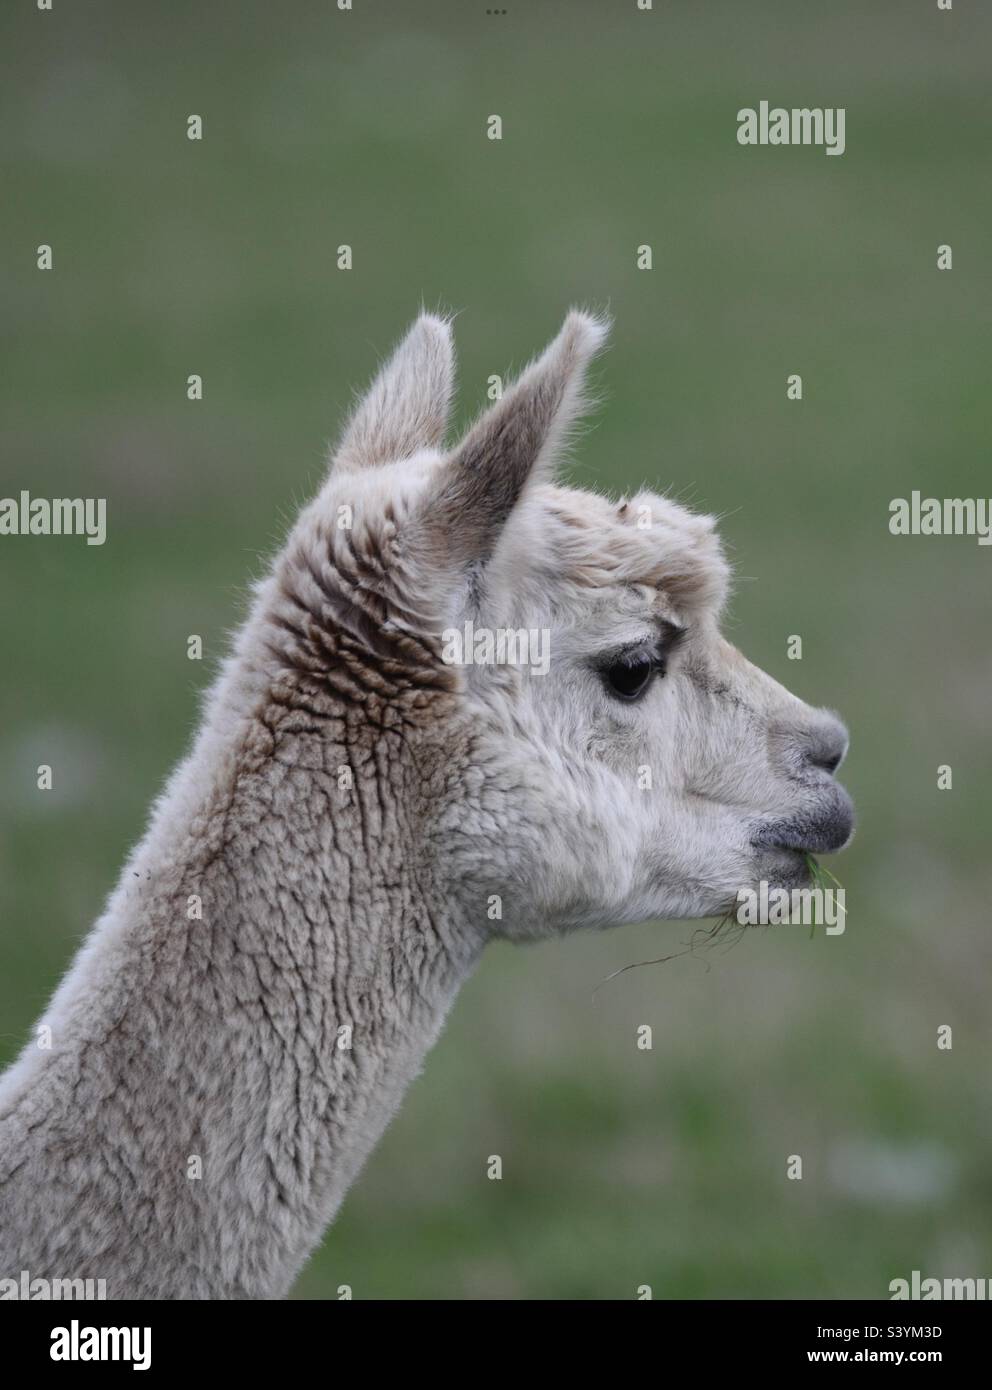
621,1167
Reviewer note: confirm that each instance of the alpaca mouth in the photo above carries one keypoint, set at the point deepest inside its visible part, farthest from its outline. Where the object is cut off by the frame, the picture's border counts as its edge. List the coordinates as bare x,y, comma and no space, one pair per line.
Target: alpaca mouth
823,831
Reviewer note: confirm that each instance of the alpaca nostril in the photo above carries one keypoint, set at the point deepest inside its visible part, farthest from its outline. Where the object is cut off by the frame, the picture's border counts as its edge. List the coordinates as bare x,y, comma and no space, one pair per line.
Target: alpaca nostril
830,762
826,747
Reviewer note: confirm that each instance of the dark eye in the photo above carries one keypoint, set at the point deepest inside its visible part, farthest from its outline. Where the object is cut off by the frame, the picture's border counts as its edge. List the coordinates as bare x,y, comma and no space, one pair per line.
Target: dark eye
628,678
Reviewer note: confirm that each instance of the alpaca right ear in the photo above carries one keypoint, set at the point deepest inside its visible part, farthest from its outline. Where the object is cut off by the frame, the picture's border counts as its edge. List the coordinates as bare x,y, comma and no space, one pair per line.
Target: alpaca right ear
406,407
513,444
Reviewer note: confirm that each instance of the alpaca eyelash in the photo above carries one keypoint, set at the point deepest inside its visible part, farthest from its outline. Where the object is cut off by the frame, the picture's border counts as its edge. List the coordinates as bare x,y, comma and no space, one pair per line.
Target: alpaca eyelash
633,653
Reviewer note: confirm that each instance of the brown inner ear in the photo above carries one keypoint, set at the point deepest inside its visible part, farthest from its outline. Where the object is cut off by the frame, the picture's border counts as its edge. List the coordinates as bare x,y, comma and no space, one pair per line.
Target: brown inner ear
511,446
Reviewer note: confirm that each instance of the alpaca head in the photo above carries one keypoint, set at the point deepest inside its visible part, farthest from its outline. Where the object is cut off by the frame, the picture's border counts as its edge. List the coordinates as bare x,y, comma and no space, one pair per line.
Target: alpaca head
583,745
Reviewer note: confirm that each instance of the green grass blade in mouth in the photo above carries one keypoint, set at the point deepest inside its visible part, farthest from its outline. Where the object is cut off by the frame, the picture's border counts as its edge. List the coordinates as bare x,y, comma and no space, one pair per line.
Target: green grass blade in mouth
820,876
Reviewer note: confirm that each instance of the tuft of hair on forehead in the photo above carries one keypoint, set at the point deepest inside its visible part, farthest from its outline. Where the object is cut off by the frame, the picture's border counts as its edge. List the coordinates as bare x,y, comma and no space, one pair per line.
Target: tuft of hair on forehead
583,539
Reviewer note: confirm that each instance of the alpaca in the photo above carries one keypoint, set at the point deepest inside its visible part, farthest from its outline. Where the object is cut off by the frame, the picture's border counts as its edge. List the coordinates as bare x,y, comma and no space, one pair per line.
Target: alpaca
357,817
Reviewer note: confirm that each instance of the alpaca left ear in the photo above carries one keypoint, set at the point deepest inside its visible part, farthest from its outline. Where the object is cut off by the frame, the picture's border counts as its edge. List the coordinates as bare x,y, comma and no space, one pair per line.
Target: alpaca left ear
514,443
406,407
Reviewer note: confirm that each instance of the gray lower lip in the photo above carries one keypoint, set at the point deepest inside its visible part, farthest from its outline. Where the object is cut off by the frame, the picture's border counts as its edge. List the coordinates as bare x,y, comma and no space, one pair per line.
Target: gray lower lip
824,829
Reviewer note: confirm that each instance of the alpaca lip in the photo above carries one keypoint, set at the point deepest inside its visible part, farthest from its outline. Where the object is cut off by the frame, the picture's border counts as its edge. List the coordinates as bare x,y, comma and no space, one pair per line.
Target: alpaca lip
823,831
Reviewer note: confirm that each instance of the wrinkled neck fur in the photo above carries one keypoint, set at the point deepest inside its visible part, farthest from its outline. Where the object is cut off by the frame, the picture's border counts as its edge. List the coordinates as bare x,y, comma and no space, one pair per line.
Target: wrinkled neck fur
242,1023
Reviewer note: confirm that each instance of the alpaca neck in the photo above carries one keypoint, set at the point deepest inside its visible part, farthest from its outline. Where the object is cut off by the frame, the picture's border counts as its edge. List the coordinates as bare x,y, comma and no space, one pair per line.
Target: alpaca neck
231,1042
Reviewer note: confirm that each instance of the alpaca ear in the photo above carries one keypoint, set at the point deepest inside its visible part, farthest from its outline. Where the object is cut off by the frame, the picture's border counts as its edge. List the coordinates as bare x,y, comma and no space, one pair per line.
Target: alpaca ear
515,442
406,407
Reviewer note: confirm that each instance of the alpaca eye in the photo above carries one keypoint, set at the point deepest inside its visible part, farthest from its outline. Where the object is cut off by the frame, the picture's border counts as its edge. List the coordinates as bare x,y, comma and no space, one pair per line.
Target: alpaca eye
630,679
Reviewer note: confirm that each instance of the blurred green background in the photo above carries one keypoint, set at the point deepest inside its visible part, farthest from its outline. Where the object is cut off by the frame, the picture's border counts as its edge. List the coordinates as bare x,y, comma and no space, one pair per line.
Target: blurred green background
621,1167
